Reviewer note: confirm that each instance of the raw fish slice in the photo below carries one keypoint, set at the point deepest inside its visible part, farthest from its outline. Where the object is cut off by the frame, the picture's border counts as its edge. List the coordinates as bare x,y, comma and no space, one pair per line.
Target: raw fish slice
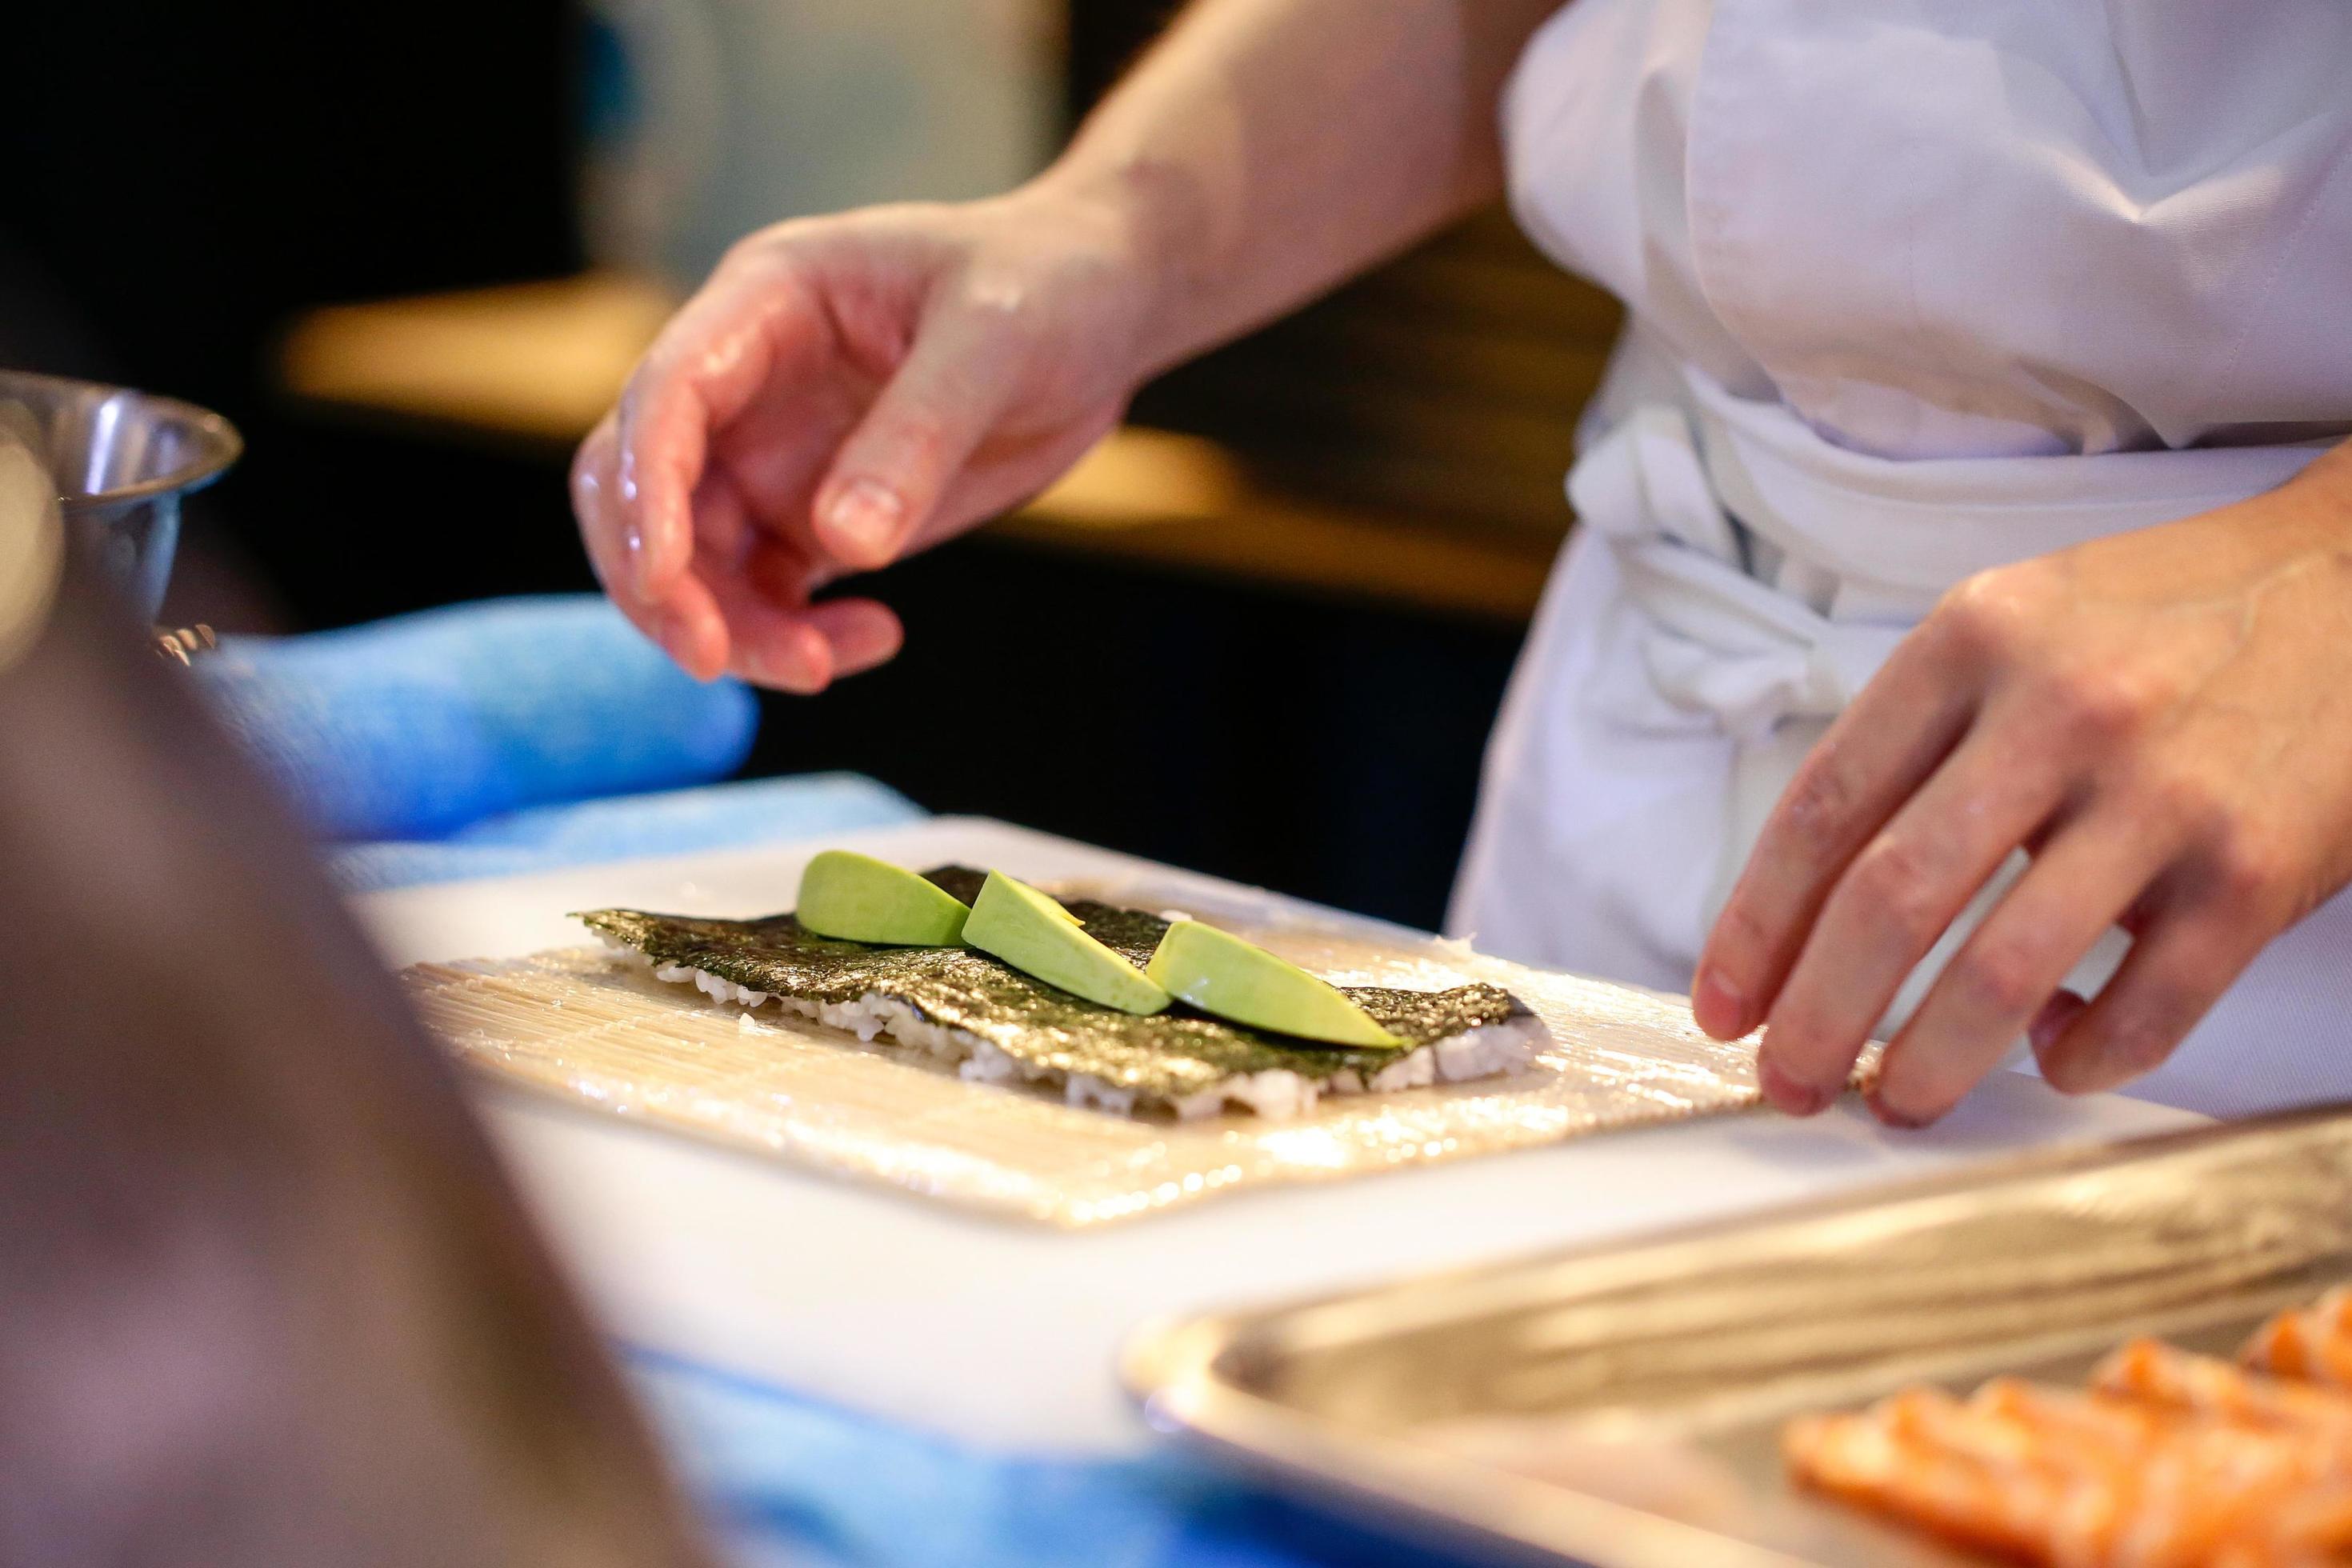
2313,1343
2169,1460
2081,1480
1894,1460
2151,1370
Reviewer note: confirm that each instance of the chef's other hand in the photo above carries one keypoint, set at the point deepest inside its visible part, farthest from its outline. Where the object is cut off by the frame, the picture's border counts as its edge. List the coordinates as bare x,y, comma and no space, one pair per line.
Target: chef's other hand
2163,719
844,391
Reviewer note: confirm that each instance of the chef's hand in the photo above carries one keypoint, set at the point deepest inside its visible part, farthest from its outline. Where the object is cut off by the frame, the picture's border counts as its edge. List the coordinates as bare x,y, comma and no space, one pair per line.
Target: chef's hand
2163,719
843,390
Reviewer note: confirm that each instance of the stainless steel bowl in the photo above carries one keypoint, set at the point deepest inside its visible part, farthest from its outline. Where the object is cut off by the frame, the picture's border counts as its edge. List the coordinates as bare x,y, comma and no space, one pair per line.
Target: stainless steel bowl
121,460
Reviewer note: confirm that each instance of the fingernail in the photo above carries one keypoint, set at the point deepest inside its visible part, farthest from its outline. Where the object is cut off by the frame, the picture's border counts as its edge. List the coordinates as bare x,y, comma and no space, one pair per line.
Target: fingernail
863,522
1786,1094
1717,1004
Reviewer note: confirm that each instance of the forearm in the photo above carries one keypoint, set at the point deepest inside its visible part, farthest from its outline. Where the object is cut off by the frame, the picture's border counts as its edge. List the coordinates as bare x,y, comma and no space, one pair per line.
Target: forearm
1267,149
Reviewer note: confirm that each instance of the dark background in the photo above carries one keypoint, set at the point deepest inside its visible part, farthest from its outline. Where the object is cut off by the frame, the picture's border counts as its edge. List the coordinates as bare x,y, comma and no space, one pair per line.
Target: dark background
182,180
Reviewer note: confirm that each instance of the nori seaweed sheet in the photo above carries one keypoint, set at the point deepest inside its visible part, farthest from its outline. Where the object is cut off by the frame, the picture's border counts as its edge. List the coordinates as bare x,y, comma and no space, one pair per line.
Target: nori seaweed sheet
1162,1058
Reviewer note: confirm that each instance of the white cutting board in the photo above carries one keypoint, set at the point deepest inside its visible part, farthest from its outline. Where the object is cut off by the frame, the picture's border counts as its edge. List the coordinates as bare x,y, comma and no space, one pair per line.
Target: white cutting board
1005,1335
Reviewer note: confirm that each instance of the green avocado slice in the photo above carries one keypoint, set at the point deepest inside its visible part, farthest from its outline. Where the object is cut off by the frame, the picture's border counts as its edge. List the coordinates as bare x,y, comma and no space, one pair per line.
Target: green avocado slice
856,898
1015,922
1218,973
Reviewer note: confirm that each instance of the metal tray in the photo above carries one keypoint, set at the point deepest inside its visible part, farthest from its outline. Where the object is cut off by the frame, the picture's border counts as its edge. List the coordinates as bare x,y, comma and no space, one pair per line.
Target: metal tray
1620,1407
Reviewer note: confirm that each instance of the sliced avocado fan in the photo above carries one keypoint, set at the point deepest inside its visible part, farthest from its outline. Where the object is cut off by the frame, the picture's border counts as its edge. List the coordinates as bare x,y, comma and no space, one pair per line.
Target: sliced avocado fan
1218,973
1013,922
856,898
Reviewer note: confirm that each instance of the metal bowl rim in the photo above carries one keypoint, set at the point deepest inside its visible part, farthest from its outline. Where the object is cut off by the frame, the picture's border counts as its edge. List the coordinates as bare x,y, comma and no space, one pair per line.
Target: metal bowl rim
222,447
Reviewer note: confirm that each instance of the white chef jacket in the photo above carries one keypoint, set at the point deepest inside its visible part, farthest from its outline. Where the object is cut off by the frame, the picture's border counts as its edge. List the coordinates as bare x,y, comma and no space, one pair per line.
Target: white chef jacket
1916,287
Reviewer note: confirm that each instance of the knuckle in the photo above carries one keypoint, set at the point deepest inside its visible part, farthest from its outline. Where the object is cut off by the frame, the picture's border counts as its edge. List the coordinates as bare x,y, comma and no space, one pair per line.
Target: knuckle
2184,803
2101,707
1982,617
999,297
1999,980
1819,804
1894,889
2250,871
1801,1040
918,437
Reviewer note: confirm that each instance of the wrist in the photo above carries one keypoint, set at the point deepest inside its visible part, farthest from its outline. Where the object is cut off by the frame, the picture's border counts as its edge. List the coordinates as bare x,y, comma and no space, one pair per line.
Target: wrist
1156,220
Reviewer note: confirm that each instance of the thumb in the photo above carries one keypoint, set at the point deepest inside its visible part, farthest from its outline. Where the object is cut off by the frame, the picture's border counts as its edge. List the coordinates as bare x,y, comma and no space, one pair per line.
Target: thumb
892,470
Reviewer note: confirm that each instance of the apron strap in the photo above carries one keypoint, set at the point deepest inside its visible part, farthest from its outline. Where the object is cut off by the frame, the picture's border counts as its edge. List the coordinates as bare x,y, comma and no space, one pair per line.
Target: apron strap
1715,639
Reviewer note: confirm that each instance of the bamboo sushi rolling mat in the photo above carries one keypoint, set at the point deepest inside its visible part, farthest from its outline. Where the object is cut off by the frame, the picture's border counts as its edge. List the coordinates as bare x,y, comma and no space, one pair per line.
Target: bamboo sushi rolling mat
587,1026
772,1270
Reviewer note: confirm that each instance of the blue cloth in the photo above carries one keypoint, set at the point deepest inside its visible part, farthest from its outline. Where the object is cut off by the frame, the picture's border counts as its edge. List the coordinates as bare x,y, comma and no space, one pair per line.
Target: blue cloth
789,1479
417,726
546,838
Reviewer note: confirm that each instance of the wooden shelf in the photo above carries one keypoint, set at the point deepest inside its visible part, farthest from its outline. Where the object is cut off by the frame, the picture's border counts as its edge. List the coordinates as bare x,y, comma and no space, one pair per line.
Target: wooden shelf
539,362
1181,501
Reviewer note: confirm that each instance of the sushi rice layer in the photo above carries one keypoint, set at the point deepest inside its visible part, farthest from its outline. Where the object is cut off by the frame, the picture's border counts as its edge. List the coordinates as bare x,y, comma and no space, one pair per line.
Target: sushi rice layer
999,1026
1279,1094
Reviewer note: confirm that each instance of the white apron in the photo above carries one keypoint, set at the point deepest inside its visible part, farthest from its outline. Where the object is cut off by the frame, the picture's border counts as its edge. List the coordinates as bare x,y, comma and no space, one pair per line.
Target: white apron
1917,288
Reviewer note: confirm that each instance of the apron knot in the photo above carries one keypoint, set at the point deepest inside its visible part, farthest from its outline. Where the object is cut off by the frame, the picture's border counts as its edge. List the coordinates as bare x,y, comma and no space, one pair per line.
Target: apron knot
1715,639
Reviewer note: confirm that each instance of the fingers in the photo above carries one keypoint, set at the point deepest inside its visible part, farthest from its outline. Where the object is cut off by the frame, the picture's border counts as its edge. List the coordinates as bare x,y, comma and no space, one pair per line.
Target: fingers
782,640
708,365
889,474
1869,763
862,633
801,651
1889,908
604,530
776,648
2005,980
705,531
804,651
2056,1016
760,622
2177,968
685,622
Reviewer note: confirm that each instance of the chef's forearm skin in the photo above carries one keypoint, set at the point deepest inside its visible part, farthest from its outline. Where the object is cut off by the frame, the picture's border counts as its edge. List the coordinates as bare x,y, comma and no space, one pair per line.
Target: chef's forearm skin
1267,149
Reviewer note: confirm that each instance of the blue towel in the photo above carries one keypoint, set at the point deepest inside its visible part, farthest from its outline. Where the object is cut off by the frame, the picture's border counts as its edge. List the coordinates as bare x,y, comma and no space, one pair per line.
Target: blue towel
417,726
547,838
788,1479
